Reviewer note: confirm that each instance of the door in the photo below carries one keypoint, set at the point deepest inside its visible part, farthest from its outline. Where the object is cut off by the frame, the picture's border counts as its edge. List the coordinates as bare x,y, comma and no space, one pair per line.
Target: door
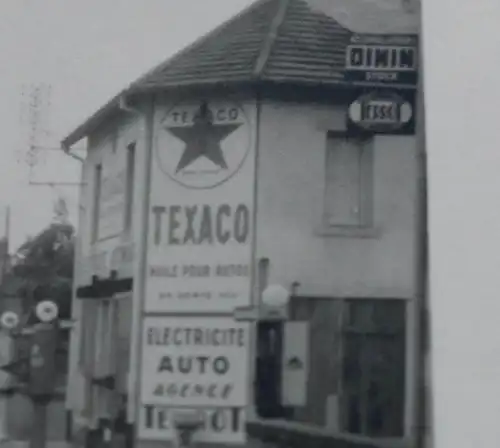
268,370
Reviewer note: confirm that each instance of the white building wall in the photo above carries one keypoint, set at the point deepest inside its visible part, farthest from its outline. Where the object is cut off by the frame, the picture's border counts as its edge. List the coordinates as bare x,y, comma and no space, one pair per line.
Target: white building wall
291,181
94,257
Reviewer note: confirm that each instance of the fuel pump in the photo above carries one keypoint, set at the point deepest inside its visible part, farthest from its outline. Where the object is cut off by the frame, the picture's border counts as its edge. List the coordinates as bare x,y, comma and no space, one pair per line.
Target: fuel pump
36,374
42,378
8,366
43,374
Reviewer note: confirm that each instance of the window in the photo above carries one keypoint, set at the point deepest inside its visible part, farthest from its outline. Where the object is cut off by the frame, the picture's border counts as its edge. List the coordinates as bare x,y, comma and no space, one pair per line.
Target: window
88,342
373,370
103,360
104,349
123,325
129,189
88,335
349,186
96,203
104,332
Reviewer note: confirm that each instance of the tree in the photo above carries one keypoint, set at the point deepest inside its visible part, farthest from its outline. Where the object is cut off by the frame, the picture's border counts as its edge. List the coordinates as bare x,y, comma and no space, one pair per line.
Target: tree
45,265
41,269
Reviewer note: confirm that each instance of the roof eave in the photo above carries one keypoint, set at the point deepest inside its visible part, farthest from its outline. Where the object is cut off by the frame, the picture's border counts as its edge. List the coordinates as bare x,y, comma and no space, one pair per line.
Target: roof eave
91,123
116,103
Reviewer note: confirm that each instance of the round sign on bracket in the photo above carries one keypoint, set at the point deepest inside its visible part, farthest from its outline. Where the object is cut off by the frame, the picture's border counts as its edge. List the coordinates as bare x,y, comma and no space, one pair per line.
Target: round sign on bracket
382,112
9,320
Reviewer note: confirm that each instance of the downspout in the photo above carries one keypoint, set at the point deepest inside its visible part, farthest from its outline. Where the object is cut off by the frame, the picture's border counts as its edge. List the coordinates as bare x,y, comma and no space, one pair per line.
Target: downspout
123,105
77,305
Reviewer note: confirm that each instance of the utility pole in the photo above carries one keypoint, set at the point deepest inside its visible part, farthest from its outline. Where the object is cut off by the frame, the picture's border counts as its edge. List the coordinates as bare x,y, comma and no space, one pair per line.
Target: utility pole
35,148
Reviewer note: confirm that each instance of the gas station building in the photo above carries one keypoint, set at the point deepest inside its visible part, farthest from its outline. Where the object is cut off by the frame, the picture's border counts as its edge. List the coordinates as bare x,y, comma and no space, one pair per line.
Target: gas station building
278,150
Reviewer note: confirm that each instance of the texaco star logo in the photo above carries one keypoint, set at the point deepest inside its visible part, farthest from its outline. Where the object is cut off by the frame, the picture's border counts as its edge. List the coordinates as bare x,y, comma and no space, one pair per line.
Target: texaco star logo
204,144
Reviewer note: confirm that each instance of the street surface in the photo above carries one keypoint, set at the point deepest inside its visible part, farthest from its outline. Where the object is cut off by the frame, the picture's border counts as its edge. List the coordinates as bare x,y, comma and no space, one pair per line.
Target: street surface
25,444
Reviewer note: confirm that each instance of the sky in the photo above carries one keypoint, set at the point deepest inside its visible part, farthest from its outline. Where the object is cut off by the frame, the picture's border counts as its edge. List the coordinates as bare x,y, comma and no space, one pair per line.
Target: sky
372,16
80,53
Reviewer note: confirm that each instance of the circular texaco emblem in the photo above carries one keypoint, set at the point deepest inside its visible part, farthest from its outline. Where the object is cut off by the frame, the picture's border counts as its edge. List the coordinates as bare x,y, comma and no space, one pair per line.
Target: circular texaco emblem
202,145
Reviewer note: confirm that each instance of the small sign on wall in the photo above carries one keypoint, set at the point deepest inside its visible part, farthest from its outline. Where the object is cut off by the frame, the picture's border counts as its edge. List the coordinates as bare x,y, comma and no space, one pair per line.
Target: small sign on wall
202,203
195,362
384,59
381,113
295,363
220,424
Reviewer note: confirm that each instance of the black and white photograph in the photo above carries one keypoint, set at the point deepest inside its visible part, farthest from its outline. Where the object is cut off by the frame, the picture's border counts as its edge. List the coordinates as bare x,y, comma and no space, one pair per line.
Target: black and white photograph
250,224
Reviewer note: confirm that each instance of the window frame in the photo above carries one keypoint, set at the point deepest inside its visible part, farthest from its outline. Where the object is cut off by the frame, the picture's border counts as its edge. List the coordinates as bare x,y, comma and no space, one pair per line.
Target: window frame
131,159
96,202
369,332
366,183
88,331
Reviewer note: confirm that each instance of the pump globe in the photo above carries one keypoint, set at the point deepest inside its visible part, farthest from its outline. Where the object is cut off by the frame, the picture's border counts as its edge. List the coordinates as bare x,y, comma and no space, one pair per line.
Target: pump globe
46,311
275,296
9,320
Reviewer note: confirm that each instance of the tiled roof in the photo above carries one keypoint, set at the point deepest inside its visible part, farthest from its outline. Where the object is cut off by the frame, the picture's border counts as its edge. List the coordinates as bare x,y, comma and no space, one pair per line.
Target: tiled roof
287,41
229,53
308,47
278,40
